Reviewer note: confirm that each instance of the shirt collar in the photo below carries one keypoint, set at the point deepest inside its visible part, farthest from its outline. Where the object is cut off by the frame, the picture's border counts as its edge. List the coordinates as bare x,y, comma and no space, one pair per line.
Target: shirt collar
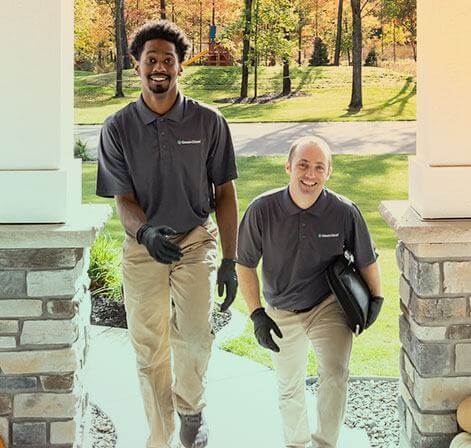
149,116
315,209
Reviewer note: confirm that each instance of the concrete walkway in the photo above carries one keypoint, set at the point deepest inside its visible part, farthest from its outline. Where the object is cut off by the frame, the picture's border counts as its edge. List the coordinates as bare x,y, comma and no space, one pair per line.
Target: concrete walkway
242,406
275,138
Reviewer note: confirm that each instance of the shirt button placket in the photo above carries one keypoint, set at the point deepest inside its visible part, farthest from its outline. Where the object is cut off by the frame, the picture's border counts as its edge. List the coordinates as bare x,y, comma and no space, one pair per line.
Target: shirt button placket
163,143
302,227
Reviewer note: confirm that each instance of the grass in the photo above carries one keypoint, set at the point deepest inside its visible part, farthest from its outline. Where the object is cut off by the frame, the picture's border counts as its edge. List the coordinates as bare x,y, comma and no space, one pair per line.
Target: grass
324,94
365,179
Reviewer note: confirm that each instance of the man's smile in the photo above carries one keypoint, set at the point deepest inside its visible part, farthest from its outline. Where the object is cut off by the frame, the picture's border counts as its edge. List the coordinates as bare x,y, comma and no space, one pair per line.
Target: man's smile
158,78
308,184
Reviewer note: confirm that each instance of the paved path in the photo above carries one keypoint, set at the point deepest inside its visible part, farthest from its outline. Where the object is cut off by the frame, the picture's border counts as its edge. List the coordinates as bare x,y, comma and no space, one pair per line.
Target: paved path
275,138
242,406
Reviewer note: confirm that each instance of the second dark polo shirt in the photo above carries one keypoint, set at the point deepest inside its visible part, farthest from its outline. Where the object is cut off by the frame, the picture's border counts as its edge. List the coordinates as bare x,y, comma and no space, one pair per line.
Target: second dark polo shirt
171,162
297,245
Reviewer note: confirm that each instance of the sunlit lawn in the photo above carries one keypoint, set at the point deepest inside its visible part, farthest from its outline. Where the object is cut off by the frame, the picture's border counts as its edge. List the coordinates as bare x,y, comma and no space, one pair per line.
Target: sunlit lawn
322,94
367,180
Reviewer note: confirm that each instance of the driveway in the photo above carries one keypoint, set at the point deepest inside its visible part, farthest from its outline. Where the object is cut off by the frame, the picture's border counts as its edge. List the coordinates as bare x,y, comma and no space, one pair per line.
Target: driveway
263,139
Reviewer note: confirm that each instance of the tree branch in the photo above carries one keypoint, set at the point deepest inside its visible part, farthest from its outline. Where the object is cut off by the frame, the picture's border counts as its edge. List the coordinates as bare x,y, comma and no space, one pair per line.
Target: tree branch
364,4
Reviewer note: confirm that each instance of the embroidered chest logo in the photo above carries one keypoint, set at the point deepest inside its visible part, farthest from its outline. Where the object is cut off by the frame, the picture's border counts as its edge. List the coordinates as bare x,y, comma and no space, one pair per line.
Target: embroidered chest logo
328,235
188,142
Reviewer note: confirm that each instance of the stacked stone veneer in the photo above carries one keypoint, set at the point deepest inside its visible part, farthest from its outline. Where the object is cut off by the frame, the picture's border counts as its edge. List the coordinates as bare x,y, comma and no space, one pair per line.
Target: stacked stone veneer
44,313
435,333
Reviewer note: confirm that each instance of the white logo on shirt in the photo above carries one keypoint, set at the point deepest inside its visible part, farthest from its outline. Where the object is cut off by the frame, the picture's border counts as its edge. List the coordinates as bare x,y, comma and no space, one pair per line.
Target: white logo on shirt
188,142
328,235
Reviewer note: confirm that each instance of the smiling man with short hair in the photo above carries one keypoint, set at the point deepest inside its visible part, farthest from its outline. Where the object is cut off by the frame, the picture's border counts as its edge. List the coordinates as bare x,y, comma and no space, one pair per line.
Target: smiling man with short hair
169,162
298,231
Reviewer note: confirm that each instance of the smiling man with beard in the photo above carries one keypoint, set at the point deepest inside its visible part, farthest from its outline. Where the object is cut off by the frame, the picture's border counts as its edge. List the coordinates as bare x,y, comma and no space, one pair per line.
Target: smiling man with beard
169,162
298,231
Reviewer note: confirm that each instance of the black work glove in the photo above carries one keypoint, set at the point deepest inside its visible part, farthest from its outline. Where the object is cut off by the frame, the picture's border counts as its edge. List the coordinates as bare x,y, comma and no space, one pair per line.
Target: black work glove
263,324
375,307
157,244
227,277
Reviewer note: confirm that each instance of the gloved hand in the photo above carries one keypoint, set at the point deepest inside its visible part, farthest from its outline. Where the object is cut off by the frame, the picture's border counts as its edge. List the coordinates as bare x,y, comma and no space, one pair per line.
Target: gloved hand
263,324
157,244
227,277
375,307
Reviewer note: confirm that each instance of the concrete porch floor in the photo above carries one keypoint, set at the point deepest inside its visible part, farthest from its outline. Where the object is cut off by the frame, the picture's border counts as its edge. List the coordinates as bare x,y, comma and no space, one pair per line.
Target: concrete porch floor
242,406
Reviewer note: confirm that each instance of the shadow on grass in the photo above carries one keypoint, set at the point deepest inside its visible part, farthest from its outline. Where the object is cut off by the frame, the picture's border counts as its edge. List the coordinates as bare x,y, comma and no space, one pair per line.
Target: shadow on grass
307,77
402,97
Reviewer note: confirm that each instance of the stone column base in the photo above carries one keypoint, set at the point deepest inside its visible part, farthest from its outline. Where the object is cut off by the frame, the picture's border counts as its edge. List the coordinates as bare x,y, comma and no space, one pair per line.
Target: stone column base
44,321
434,259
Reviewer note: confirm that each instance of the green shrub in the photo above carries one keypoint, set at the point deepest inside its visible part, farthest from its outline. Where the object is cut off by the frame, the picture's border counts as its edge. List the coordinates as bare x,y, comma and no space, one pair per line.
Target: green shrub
319,55
81,151
105,268
371,59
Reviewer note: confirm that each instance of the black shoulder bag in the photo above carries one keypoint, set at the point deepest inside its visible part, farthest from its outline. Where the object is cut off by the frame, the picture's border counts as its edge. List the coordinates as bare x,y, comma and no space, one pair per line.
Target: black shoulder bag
360,307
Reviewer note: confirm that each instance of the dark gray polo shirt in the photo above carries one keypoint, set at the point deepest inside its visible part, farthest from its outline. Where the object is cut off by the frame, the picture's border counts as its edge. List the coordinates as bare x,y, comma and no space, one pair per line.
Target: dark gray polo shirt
171,162
297,245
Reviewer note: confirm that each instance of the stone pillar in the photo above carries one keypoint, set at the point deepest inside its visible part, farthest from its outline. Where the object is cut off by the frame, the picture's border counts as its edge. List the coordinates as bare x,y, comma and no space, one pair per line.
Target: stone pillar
434,251
44,320
44,298
434,259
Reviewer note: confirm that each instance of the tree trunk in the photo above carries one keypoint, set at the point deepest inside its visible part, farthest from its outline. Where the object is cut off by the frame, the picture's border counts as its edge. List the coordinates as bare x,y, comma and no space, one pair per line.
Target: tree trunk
124,38
286,77
244,86
119,48
394,41
201,26
338,38
255,56
349,59
356,102
163,15
414,50
300,43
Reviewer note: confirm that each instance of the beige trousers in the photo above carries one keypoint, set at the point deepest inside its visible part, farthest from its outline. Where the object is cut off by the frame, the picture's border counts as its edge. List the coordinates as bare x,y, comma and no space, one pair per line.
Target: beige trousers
325,328
168,310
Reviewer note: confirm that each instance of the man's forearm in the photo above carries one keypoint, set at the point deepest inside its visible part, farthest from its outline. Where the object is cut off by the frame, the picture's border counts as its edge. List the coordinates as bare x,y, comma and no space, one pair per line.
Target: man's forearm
226,217
371,275
131,215
250,286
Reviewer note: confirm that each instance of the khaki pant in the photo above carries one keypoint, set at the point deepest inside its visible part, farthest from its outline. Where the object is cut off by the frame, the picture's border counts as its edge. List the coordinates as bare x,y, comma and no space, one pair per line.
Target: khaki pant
168,310
325,328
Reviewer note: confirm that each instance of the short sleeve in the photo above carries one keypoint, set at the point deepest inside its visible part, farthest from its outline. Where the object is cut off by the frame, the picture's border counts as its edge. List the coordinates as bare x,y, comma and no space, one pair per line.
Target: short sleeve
221,164
359,241
113,174
249,244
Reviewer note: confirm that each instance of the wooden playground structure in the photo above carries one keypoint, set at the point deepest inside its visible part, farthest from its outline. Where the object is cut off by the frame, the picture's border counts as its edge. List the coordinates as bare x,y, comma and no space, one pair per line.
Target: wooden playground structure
215,55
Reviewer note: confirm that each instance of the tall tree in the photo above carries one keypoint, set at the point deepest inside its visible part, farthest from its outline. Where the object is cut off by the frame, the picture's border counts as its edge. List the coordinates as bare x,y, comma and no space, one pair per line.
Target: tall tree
118,20
286,74
244,87
163,14
124,37
338,37
356,102
403,14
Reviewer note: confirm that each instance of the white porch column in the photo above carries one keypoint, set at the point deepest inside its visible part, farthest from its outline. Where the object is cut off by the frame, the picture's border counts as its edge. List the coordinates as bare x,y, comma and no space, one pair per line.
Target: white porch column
439,176
434,250
39,179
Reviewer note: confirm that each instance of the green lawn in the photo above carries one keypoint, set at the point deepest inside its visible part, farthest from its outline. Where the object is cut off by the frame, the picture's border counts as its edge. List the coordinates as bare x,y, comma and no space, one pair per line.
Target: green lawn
365,179
324,94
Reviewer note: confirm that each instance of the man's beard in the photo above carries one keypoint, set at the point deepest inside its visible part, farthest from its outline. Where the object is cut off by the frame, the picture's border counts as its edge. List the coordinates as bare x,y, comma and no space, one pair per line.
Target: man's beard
159,89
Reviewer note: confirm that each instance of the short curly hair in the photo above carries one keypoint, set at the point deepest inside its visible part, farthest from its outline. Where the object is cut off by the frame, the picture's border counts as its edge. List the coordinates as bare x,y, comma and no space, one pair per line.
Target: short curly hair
162,29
